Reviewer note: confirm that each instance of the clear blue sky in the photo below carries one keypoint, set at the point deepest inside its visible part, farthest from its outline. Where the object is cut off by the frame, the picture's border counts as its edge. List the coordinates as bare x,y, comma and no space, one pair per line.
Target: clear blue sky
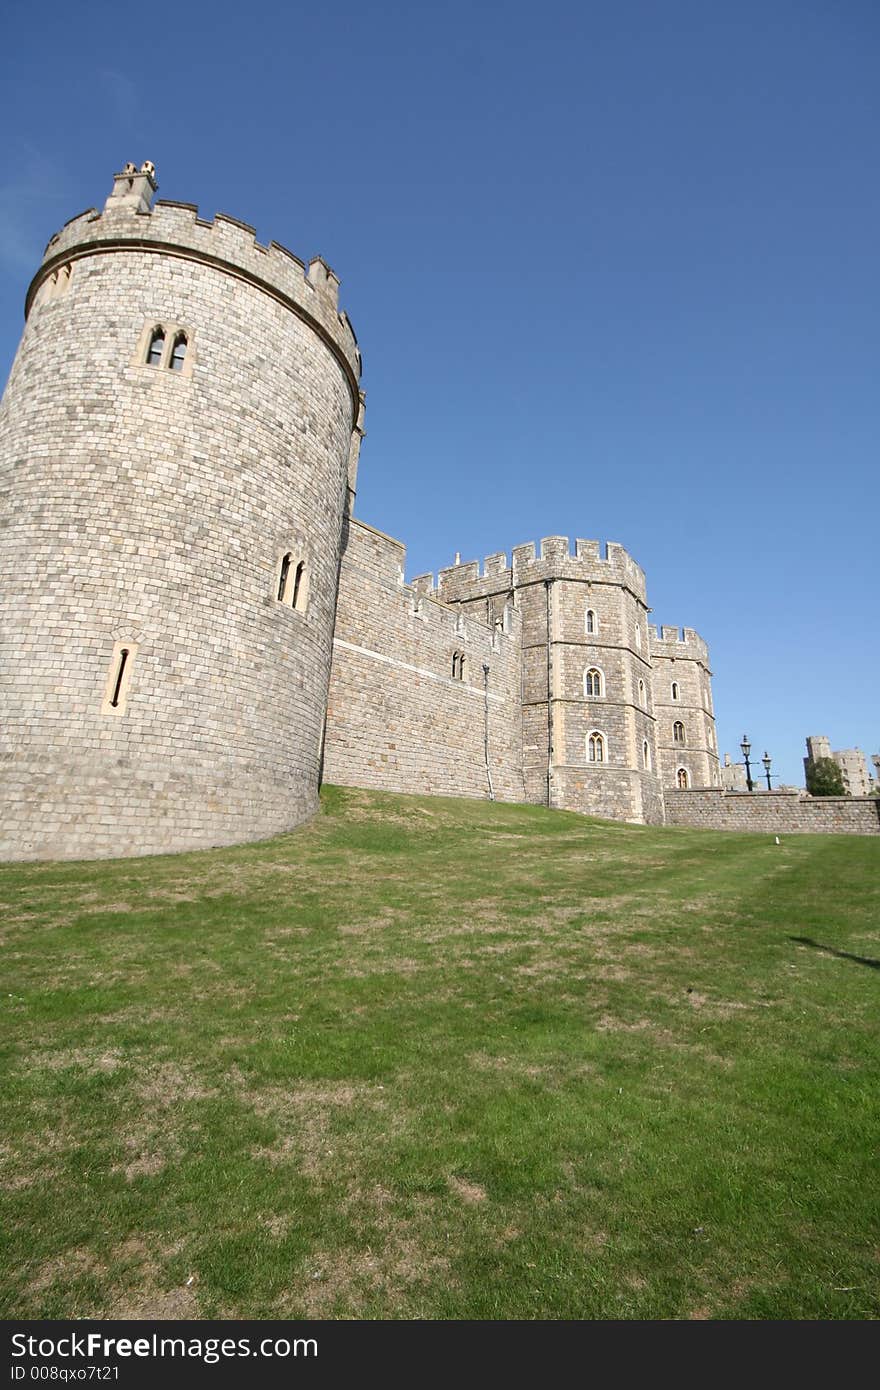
613,267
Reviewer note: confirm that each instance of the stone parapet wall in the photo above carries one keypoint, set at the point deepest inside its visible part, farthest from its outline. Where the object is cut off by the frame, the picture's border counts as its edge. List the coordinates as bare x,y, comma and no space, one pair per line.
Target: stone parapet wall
396,718
779,813
673,642
554,559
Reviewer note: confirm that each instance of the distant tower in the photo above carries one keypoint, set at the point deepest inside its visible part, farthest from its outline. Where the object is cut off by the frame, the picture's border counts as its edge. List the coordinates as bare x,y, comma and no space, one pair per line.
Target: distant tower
818,746
178,446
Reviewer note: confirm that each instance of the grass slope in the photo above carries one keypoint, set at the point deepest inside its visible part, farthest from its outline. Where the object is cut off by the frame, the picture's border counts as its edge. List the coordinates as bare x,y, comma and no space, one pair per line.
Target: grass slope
430,1058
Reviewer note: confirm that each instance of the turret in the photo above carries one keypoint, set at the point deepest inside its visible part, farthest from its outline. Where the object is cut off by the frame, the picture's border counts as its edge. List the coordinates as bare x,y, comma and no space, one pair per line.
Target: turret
178,441
681,680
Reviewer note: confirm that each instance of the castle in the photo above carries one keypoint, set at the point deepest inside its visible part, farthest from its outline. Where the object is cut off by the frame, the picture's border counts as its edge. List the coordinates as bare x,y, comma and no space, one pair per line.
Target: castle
857,780
195,627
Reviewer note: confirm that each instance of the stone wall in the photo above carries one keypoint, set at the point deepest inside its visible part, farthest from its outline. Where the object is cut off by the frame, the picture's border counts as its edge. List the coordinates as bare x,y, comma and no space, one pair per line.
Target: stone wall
397,720
777,813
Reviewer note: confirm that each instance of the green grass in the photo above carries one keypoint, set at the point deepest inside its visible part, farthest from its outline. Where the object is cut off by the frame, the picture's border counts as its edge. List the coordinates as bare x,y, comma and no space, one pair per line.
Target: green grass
430,1058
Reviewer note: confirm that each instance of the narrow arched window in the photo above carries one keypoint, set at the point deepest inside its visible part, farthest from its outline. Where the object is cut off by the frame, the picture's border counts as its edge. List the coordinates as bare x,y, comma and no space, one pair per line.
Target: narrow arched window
678,732
282,576
178,353
590,622
646,755
156,348
594,683
682,778
596,747
118,681
642,694
458,666
120,672
675,690
298,601
57,282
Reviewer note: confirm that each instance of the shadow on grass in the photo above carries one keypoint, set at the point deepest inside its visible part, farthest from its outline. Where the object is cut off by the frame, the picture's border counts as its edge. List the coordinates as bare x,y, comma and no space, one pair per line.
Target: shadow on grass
830,950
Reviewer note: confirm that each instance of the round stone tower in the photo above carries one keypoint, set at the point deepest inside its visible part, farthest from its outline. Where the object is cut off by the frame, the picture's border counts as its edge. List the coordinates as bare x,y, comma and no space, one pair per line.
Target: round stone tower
178,444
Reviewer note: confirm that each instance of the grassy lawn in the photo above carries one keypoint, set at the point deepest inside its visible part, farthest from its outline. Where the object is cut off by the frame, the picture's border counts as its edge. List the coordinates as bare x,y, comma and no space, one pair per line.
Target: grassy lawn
430,1058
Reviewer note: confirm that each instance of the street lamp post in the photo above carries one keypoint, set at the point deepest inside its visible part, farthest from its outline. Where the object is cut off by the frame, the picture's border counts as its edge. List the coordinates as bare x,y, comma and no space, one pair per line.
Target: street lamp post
746,750
766,761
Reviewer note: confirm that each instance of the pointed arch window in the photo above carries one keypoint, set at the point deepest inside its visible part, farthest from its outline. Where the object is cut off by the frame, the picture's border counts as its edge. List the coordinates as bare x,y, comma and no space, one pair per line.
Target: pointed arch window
168,346
293,582
156,349
57,283
178,352
646,755
596,749
591,622
683,779
594,683
675,695
282,575
642,694
678,732
459,666
299,587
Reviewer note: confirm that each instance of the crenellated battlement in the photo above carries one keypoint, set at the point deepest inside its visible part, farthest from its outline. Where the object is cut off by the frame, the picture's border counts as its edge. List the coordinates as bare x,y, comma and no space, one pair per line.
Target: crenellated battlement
552,558
380,560
127,221
677,642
